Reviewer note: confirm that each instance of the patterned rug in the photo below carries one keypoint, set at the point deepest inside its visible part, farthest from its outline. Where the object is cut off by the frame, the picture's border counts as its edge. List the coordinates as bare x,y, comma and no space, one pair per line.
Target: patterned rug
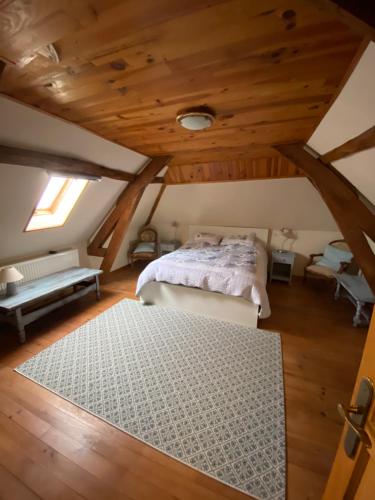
206,392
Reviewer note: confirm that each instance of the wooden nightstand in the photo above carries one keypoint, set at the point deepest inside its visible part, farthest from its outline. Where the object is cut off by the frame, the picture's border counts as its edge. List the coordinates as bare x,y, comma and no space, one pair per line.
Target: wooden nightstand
282,265
169,246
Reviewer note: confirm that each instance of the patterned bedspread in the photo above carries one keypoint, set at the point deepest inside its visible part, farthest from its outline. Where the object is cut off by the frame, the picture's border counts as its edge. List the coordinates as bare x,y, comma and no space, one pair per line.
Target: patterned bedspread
229,269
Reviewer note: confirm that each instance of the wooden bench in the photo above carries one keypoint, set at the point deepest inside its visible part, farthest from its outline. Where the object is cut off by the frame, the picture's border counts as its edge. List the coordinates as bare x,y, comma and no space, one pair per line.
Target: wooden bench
82,279
356,289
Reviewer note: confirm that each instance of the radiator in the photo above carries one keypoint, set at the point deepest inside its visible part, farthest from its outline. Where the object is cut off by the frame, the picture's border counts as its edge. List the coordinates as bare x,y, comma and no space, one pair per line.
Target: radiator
47,264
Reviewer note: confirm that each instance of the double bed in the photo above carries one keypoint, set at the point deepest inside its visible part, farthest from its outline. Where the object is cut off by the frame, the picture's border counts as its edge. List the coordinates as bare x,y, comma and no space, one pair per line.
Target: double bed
222,281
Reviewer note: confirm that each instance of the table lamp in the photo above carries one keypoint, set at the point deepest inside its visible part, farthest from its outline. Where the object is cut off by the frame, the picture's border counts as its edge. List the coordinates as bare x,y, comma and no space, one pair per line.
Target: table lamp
10,276
288,234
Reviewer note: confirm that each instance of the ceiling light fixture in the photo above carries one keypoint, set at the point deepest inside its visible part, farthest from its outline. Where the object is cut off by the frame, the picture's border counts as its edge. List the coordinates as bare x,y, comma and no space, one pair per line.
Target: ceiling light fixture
196,118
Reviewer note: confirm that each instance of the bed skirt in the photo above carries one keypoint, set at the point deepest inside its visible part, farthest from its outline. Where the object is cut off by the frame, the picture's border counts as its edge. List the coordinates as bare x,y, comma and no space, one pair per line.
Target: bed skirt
213,304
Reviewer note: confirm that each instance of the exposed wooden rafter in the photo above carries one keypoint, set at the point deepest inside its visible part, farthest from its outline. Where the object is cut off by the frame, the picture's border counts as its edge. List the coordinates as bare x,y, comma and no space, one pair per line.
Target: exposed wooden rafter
155,205
352,216
61,164
158,180
120,217
361,142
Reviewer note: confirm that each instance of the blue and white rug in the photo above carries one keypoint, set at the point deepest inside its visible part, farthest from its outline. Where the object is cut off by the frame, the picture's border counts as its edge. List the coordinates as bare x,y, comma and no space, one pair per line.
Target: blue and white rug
206,392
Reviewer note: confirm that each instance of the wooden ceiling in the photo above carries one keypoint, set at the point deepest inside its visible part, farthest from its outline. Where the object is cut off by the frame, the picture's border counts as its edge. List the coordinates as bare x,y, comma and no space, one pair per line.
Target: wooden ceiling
245,169
268,69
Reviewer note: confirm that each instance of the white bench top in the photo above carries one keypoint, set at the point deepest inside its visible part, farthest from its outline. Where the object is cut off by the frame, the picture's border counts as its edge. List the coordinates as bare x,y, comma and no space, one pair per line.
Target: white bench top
35,289
356,286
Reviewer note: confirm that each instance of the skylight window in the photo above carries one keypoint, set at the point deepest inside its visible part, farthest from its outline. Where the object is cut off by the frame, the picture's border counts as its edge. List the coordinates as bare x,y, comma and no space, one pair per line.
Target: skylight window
56,202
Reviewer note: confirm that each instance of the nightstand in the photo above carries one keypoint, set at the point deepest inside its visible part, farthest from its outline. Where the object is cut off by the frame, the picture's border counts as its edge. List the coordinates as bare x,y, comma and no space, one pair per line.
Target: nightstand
169,246
282,265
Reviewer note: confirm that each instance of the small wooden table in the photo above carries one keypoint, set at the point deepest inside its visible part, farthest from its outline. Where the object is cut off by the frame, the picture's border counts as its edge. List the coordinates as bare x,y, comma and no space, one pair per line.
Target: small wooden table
282,265
358,292
169,246
11,308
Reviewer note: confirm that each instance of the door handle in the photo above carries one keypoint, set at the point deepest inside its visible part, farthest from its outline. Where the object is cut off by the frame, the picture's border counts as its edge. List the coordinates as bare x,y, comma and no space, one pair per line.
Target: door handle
355,416
359,431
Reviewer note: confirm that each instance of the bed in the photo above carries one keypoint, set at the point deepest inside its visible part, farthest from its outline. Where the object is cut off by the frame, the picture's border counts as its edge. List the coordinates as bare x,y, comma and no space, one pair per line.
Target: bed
234,308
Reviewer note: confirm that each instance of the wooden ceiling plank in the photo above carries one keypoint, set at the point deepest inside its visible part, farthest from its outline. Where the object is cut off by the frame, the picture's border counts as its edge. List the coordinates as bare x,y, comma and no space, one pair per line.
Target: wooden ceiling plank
29,26
62,164
120,26
351,215
353,22
233,170
361,142
275,76
303,71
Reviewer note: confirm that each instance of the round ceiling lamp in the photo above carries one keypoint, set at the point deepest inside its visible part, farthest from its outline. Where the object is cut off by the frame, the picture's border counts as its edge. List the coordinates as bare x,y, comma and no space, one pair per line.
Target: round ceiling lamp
196,118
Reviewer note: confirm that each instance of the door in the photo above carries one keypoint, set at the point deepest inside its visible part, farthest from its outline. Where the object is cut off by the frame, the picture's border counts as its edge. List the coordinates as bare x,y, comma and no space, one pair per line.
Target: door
353,477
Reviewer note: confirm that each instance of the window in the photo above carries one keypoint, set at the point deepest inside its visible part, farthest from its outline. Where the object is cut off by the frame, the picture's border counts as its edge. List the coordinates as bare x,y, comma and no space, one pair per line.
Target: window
56,202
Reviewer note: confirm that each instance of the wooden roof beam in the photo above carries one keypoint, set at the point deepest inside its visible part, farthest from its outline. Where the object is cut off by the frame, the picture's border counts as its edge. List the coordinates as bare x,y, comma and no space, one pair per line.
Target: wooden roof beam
352,216
361,142
119,218
155,205
61,164
129,202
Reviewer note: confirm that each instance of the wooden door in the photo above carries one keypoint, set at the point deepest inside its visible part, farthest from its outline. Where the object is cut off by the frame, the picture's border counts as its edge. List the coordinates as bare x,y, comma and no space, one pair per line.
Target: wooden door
354,478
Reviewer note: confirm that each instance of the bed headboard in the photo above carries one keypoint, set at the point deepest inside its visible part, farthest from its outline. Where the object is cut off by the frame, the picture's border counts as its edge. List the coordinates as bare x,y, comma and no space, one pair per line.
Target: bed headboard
262,234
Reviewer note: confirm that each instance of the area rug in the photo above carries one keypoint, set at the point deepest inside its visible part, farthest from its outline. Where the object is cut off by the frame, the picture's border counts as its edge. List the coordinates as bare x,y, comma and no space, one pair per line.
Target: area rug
206,392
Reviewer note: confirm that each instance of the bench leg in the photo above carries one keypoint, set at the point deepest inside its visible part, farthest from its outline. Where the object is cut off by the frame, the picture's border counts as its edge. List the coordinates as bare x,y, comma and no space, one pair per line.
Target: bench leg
337,292
20,326
97,287
358,311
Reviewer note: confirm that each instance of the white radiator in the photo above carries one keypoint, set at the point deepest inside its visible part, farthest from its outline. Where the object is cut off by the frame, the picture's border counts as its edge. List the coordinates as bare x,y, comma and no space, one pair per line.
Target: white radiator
48,264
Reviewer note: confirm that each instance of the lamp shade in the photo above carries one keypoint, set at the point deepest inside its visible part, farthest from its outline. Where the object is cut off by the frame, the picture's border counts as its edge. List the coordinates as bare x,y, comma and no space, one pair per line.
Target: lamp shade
9,275
288,233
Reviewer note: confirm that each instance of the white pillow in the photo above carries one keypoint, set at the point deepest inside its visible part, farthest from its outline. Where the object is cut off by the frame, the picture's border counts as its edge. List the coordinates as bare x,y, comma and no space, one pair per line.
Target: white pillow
209,238
239,239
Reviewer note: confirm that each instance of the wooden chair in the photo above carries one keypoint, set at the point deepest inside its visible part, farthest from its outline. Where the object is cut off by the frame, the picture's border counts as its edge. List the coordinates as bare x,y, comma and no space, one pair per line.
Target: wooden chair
315,270
146,247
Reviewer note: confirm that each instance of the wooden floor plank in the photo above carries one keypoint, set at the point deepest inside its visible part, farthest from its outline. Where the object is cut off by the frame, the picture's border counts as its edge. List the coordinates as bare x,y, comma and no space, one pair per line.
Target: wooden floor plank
32,474
86,457
11,488
76,478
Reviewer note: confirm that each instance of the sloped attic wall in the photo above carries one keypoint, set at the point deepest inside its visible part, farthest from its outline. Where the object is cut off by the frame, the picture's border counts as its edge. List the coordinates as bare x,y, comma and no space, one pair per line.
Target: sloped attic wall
20,187
352,113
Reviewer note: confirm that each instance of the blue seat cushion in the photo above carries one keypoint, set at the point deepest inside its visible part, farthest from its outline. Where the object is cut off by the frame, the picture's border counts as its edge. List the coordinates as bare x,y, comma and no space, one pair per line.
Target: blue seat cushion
333,257
145,247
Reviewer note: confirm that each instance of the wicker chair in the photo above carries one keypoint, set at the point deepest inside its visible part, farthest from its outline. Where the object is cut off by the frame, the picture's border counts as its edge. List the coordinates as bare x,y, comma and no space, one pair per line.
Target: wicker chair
146,247
315,270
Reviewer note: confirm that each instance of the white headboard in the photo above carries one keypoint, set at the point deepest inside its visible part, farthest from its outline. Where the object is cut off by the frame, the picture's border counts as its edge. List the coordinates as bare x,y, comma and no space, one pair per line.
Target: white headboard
262,234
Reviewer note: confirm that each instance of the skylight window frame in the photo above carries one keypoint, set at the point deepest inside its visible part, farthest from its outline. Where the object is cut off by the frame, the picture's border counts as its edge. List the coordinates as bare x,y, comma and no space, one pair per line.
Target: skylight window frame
55,204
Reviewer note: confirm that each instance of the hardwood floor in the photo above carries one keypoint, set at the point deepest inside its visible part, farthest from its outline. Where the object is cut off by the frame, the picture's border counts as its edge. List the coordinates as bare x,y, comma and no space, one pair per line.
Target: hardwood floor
51,449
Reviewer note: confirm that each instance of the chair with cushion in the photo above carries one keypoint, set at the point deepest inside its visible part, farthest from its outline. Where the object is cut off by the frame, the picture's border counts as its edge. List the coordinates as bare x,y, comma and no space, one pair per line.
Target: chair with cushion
146,247
336,258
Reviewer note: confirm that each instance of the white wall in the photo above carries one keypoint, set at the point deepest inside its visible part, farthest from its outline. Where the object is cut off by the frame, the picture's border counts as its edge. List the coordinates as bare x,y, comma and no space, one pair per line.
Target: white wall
352,113
20,187
272,204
